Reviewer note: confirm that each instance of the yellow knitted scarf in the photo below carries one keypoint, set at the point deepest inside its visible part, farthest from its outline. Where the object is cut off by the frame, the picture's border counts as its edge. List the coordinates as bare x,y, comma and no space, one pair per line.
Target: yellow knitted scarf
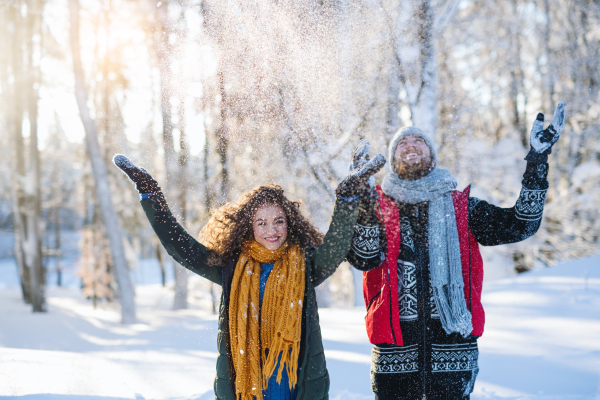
281,317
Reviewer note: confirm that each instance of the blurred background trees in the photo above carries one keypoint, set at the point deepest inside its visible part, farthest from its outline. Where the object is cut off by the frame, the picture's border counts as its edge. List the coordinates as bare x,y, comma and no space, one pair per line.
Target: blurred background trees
217,97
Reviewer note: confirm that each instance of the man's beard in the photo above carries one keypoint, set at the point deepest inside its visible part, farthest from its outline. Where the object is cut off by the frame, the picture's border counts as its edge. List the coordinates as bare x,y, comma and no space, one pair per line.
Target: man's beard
412,172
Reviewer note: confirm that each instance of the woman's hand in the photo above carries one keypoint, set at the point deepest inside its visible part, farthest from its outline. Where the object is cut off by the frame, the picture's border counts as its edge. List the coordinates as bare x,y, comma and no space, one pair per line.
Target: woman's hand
362,169
144,182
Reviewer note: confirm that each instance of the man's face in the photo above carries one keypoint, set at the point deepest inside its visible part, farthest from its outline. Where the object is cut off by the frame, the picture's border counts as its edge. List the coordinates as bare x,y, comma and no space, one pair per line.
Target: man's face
412,158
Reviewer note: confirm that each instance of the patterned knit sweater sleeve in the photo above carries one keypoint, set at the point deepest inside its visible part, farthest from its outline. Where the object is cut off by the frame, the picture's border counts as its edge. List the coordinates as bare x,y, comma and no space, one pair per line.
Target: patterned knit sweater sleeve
493,225
179,244
332,252
368,239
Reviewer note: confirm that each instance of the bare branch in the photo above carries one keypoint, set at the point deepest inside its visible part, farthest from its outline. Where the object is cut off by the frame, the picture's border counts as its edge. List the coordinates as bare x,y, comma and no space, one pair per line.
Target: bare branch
443,17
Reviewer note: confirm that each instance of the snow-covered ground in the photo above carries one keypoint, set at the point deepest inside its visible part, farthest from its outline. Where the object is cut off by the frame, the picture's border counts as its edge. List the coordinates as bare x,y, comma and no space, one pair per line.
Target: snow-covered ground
542,342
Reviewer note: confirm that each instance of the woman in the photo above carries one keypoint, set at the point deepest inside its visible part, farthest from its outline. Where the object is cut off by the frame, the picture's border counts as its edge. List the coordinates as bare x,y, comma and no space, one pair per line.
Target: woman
268,259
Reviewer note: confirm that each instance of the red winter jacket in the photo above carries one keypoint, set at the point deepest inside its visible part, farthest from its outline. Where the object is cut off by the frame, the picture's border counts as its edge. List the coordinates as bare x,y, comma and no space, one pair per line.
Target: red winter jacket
380,285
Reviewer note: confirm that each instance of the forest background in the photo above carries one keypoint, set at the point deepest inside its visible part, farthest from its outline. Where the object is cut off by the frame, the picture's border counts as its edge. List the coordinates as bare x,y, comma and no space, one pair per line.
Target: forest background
215,97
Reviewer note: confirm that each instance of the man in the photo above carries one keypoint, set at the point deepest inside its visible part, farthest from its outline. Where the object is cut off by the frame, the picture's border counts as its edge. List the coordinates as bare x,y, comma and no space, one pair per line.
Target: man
417,239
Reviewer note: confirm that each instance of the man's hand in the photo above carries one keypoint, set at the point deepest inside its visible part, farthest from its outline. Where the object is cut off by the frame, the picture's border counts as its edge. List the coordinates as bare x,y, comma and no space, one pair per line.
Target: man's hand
541,139
362,169
143,181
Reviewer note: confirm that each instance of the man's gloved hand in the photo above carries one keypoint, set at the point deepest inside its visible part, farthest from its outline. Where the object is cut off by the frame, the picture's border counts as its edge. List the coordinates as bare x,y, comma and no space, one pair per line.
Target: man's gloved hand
144,182
361,173
542,140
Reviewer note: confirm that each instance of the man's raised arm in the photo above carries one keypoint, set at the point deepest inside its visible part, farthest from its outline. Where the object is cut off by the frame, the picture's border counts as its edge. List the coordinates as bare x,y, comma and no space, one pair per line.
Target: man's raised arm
493,225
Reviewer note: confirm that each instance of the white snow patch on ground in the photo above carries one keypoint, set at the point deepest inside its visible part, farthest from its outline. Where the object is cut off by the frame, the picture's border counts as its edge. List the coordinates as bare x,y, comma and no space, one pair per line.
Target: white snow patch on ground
542,342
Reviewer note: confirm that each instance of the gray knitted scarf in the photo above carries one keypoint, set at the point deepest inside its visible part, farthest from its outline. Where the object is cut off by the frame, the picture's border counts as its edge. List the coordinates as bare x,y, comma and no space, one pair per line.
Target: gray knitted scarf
444,248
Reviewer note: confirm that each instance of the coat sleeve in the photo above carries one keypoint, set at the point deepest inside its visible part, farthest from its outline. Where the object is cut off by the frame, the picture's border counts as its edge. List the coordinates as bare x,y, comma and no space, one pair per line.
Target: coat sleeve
180,245
368,239
494,225
330,254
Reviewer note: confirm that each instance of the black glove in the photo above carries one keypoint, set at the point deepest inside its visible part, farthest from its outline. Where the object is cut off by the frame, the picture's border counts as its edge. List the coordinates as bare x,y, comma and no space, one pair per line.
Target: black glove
360,156
361,170
144,182
541,140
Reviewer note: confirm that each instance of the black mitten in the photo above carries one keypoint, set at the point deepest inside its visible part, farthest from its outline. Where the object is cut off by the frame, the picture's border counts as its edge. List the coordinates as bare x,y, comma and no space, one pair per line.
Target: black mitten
356,183
360,181
144,182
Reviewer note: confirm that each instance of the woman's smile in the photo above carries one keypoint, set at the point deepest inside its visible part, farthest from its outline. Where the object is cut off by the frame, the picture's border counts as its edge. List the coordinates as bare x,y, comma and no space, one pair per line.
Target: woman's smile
272,238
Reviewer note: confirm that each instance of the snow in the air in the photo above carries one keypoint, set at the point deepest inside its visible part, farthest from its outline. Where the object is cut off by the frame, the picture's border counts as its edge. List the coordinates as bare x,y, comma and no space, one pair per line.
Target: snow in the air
542,342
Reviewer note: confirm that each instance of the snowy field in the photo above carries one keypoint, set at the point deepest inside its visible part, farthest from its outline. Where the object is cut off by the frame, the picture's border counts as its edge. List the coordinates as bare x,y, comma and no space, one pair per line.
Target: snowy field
542,342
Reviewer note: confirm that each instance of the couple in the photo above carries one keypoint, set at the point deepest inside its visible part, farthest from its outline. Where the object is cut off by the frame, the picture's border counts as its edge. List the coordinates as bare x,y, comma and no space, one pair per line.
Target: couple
417,240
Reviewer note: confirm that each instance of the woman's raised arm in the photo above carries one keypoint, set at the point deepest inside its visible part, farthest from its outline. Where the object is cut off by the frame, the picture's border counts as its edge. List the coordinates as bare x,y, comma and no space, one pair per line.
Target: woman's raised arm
336,243
179,244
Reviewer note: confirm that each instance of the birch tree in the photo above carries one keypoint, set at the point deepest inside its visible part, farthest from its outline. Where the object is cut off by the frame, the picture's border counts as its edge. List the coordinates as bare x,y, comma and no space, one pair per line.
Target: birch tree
103,192
25,23
166,39
414,26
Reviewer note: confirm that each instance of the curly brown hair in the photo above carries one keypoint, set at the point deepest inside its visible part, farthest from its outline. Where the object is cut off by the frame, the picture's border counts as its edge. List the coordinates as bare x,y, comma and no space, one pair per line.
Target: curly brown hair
231,224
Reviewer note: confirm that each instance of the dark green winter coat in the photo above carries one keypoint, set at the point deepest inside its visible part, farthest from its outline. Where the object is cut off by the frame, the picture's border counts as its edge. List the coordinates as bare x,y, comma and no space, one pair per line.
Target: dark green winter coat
321,262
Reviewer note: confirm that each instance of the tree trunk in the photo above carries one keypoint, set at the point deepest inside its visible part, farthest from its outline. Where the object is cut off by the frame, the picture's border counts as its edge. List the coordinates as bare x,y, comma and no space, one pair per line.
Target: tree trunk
516,83
392,119
161,262
26,183
549,76
415,49
207,207
183,154
57,246
164,52
207,191
423,104
16,123
345,63
223,140
109,216
33,253
180,300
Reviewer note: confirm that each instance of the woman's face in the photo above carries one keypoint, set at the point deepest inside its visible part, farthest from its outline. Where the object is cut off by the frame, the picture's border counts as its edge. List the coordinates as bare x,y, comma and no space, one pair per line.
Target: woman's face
270,226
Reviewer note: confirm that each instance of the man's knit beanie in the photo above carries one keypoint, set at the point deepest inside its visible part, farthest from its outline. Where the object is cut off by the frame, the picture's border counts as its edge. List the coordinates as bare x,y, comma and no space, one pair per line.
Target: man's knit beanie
409,130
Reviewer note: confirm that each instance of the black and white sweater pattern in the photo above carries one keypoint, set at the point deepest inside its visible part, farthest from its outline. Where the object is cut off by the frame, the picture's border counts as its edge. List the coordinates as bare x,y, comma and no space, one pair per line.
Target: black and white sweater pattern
432,362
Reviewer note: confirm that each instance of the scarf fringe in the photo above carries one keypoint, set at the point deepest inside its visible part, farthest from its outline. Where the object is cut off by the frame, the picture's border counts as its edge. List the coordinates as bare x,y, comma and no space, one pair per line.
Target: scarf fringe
454,316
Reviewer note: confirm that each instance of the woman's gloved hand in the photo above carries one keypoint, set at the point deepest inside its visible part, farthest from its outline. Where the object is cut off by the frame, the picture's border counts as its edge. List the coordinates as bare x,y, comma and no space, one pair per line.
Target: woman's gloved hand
144,182
362,169
542,140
